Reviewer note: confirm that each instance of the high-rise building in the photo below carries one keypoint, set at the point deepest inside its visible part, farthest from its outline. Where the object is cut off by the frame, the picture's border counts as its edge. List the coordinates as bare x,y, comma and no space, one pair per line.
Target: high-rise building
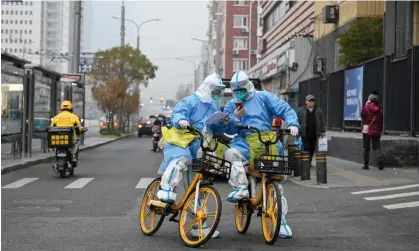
285,46
232,36
39,31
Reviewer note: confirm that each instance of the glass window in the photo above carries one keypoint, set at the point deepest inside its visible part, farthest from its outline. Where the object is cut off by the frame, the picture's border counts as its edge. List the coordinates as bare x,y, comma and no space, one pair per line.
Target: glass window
2,21
241,2
30,21
26,3
21,12
30,31
21,21
15,50
31,2
26,12
26,21
240,21
16,21
7,12
42,102
240,65
30,12
7,21
240,43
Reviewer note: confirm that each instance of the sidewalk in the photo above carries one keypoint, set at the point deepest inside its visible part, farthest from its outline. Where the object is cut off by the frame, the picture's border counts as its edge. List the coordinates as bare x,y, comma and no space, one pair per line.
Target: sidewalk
8,165
343,173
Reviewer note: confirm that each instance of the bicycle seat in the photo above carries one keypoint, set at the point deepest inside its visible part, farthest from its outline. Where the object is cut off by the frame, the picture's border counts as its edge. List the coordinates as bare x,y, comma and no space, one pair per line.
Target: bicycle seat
223,139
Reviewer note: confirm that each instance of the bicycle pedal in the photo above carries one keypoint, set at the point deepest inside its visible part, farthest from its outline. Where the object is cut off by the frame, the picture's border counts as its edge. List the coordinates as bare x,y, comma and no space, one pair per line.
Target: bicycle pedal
172,219
156,203
259,214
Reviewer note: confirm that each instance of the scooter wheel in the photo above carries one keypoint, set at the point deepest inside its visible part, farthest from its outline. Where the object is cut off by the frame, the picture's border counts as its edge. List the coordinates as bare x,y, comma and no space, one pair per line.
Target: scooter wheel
62,174
71,173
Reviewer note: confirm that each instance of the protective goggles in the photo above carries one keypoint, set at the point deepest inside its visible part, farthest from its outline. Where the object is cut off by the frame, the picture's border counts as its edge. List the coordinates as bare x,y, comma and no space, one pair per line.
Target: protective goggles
240,90
216,92
237,85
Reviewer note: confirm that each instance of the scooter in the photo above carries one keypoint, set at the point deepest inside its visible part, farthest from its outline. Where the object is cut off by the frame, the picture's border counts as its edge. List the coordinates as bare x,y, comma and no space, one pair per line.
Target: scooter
156,139
63,155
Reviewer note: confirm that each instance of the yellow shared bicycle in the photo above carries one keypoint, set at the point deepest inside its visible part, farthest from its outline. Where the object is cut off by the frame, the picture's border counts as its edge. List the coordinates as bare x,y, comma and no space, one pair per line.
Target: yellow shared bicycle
200,207
269,170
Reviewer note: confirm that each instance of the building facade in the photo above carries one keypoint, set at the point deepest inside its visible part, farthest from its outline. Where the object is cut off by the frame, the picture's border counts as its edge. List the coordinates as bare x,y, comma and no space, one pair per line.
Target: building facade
232,36
326,33
285,31
401,26
39,31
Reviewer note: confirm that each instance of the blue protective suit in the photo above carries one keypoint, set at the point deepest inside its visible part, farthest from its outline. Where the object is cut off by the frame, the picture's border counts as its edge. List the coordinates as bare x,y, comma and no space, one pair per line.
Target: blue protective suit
196,112
260,110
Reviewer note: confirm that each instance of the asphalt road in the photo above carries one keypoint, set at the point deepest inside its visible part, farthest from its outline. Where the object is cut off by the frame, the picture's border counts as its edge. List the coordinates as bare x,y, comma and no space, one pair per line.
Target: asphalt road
102,212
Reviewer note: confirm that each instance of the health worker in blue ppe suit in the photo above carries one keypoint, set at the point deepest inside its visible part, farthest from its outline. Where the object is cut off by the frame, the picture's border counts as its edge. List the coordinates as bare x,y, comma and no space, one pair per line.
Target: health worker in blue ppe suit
191,111
259,108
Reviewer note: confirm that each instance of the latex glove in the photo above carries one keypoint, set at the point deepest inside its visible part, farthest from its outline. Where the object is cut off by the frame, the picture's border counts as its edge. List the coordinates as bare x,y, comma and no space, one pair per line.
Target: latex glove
183,124
207,134
225,121
294,130
238,114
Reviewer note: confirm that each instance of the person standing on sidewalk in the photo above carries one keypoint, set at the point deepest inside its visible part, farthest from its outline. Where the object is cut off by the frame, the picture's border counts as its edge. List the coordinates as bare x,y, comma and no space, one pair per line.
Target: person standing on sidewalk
312,124
372,125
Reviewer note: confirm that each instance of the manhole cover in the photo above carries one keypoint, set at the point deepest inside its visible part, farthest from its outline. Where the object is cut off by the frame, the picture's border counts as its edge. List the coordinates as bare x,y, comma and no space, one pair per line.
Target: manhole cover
31,210
42,202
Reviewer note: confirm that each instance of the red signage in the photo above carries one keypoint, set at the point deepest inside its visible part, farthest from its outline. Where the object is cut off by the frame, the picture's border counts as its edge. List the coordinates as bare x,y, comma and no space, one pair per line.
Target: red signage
76,77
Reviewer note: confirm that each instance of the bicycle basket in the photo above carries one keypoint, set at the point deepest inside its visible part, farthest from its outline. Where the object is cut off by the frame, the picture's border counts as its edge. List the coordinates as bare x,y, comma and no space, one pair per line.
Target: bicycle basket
273,164
212,166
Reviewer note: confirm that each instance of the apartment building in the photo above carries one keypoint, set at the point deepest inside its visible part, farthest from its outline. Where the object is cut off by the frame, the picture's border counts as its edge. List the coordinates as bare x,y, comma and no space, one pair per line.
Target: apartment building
39,31
340,16
232,36
285,48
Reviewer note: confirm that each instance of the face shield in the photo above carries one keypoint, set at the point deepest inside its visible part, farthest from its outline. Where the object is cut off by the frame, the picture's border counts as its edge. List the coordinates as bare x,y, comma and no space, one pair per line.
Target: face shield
211,89
242,88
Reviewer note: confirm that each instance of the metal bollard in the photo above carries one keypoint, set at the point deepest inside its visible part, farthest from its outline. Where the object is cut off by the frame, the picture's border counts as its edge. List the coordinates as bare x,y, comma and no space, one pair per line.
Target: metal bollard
305,166
297,163
321,166
291,159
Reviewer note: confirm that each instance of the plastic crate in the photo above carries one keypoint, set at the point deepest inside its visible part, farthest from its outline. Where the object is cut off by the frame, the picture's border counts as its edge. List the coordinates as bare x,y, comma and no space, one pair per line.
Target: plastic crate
273,164
212,166
60,137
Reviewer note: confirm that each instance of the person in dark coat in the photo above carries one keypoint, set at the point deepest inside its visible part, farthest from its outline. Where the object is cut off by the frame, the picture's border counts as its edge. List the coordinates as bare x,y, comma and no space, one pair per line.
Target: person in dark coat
372,124
312,124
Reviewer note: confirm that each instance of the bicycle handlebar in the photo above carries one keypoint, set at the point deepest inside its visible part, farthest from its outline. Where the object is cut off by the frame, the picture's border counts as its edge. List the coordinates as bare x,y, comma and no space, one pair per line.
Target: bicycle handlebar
278,132
207,149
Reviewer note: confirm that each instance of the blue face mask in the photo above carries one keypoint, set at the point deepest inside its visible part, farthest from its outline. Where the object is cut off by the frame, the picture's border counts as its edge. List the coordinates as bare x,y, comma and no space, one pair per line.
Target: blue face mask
241,95
215,97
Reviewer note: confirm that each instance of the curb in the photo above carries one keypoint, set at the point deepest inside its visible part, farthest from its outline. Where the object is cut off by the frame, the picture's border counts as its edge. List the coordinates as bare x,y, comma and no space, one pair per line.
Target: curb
49,158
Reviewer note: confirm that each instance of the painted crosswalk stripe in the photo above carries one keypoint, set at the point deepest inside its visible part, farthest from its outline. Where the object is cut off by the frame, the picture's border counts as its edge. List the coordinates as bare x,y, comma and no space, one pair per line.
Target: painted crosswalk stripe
403,205
144,182
20,183
392,196
79,183
386,189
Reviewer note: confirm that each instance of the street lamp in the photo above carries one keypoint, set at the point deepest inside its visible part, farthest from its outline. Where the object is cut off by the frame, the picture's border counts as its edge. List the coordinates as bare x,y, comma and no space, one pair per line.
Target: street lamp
194,66
138,26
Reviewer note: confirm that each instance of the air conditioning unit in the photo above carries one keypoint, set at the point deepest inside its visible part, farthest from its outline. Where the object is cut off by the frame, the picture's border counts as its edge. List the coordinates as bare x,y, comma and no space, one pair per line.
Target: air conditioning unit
235,52
330,14
253,52
245,30
319,65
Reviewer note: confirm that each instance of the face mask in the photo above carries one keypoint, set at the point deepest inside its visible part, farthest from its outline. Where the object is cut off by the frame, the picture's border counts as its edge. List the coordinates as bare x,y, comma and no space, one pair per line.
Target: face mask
242,96
215,97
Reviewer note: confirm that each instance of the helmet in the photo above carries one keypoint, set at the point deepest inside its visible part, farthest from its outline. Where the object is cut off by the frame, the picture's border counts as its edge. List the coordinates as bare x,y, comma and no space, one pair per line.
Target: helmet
66,105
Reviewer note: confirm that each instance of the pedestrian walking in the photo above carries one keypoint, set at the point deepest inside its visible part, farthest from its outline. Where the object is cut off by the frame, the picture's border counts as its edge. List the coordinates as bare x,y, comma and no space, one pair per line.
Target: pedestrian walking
372,125
312,124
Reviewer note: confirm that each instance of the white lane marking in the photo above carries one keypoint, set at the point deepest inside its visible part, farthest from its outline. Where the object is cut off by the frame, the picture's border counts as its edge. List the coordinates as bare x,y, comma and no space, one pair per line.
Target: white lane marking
386,189
392,196
144,182
20,183
79,183
403,205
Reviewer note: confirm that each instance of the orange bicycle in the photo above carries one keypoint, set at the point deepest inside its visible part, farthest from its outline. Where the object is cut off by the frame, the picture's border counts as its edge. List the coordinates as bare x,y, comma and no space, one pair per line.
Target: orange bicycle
195,203
269,169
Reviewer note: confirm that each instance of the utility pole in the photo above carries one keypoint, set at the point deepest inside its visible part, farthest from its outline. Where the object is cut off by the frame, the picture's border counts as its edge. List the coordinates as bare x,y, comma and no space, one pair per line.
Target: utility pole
121,128
75,59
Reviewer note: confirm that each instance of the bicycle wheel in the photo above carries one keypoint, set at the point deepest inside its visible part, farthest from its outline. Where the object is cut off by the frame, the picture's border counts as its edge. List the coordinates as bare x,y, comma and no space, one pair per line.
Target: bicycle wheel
146,212
206,219
243,216
271,218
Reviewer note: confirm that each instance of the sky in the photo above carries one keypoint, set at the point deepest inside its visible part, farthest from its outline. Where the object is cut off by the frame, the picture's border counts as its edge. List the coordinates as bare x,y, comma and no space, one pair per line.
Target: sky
161,41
